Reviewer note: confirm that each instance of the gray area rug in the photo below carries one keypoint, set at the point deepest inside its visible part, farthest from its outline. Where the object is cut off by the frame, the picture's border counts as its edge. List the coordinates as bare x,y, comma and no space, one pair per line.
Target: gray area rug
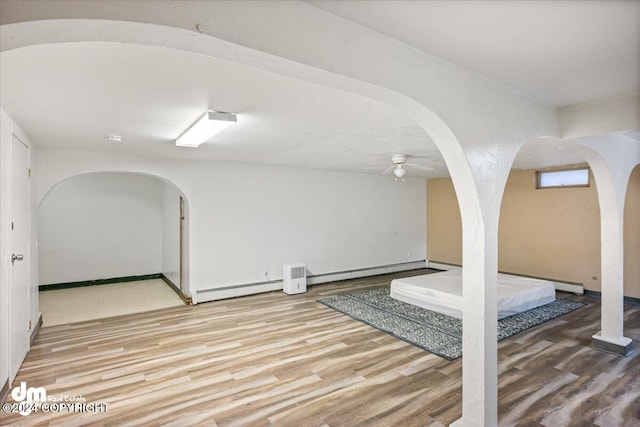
431,331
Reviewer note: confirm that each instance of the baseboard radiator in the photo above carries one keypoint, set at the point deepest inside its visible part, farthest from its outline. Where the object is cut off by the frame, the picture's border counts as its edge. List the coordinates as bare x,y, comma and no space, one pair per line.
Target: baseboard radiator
212,294
560,285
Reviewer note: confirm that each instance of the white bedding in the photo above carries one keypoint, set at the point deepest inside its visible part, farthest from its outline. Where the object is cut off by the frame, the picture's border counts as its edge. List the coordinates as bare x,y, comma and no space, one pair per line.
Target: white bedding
442,292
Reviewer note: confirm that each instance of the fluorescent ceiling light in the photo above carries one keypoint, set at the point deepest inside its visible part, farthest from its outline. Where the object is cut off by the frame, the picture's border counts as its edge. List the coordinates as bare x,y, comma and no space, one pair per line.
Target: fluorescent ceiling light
209,124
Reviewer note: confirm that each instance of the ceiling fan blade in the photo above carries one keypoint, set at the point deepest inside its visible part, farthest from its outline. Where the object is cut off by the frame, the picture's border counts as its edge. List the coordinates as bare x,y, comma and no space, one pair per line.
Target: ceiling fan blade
389,169
377,166
426,168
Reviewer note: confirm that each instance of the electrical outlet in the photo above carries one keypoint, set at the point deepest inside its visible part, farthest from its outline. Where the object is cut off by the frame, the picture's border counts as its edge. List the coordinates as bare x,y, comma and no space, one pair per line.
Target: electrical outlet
408,254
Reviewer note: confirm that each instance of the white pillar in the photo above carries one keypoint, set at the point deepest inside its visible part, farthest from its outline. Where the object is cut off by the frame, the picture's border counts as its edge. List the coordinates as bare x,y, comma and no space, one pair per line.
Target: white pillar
479,327
611,338
612,159
479,289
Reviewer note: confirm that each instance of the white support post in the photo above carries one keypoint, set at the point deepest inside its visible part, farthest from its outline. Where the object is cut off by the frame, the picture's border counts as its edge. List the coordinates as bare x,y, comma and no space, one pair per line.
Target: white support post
611,158
480,293
479,328
611,338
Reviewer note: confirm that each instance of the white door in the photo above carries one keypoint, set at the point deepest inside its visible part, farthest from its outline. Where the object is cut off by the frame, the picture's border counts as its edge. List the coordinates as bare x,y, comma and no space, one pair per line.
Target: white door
19,279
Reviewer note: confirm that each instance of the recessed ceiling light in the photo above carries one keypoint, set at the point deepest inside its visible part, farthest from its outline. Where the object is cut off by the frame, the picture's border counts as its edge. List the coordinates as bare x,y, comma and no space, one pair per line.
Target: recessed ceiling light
113,138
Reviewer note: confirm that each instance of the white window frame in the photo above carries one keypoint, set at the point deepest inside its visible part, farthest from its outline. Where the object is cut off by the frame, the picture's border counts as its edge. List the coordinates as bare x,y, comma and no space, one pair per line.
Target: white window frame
540,173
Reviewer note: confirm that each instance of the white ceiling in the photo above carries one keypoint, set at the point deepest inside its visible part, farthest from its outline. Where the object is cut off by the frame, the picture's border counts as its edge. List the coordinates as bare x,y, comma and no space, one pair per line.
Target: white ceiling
557,52
73,95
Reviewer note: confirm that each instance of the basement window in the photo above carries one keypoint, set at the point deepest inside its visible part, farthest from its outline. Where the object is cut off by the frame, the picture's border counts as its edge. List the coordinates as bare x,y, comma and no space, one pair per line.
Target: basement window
563,178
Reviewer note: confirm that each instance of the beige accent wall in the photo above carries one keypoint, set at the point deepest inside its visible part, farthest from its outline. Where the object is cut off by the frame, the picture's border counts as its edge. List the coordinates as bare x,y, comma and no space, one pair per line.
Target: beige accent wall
444,226
553,233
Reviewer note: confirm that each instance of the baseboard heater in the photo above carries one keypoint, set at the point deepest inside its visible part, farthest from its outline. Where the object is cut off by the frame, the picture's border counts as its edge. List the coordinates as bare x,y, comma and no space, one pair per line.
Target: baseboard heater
224,292
560,285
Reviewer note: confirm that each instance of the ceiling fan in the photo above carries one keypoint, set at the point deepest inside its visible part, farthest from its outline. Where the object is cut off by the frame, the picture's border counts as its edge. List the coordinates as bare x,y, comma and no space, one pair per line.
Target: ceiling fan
400,166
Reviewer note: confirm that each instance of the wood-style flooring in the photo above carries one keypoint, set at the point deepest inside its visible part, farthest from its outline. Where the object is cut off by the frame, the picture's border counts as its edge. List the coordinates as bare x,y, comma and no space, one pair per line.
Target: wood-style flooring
274,359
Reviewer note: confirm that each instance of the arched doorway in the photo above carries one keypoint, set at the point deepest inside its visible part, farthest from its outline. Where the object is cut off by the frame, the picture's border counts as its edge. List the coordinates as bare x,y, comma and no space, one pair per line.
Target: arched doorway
632,236
126,231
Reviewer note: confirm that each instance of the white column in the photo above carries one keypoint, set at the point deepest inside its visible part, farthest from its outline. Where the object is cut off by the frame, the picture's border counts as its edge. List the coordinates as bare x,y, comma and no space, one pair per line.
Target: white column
479,327
611,337
479,289
611,158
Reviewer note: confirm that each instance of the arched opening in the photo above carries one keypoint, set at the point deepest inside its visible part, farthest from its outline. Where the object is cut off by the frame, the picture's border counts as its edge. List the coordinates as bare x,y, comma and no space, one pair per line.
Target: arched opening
467,195
555,231
442,136
632,236
127,232
539,229
551,232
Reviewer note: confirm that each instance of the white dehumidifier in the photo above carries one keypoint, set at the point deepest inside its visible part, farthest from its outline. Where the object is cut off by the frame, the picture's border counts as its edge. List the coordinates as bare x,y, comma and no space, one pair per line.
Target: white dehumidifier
294,278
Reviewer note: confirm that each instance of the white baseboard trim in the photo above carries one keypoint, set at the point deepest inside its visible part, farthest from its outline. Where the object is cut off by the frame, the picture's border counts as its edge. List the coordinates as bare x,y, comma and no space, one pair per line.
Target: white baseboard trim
575,288
442,266
213,294
364,272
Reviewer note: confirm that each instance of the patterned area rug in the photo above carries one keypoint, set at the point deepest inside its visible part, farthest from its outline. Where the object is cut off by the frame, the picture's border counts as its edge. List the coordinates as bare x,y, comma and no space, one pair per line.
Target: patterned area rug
431,331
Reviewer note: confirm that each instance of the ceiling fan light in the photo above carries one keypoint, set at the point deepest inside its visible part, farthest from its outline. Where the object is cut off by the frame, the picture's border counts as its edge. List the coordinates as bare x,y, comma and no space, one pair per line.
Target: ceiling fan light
207,125
399,171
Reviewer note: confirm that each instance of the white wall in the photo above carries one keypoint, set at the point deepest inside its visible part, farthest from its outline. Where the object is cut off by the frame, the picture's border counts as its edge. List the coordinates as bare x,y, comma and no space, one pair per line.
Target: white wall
100,226
601,117
171,233
260,218
245,219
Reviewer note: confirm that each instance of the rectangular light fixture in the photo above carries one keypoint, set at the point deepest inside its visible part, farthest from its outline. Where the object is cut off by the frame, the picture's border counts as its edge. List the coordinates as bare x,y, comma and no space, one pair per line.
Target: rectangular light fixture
207,125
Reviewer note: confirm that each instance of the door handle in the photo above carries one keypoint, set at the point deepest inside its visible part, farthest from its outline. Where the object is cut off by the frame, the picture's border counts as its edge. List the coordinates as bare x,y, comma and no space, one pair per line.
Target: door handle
15,258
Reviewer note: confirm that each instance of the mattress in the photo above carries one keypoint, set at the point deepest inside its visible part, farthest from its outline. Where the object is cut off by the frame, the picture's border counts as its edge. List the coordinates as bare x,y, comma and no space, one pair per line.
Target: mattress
442,292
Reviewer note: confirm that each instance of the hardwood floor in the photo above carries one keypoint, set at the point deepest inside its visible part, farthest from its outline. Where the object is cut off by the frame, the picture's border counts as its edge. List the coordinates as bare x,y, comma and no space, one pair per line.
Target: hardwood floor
273,359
